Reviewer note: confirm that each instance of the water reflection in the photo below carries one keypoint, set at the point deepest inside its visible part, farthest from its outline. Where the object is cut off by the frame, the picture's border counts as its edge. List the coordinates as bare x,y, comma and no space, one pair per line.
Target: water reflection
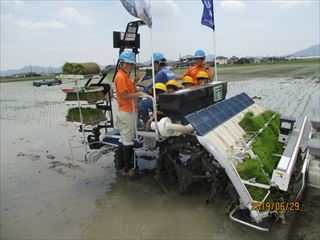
20,101
43,196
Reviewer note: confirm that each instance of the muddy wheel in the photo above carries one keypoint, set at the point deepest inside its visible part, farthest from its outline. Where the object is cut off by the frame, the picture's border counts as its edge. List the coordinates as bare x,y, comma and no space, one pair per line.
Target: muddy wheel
185,162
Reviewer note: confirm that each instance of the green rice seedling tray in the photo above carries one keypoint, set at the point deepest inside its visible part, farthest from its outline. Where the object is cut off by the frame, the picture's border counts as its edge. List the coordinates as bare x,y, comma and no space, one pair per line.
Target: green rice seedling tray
90,116
80,68
266,147
86,94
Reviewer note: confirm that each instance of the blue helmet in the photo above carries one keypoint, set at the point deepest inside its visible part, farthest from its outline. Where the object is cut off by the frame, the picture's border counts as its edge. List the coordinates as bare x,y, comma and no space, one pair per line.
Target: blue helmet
127,56
200,54
158,57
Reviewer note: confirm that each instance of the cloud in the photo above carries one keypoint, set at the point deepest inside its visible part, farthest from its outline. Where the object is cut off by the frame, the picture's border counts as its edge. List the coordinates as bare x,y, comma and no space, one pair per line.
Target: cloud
74,16
165,8
252,24
11,19
16,3
288,4
233,5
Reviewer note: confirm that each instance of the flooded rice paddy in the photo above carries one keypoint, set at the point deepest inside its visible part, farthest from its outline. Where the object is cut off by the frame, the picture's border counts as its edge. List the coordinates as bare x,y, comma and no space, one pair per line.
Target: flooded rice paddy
49,192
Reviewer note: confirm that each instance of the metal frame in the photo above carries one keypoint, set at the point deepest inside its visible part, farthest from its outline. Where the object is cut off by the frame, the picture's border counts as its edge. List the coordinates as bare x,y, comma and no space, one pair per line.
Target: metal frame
123,44
244,222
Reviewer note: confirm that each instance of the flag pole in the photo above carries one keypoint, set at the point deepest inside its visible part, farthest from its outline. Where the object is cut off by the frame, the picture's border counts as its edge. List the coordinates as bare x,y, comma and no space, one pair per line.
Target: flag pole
141,9
214,48
154,101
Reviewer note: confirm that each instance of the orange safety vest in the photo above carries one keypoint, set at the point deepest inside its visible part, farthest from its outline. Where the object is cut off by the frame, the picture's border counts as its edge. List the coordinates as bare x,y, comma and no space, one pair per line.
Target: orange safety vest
193,72
124,84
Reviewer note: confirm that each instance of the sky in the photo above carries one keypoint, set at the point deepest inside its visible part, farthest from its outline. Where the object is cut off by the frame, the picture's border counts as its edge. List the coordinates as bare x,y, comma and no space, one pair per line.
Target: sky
44,33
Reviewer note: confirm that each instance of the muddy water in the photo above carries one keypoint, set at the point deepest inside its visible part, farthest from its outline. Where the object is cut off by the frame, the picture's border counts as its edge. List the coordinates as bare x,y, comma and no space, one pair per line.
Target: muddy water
139,210
70,199
290,97
41,198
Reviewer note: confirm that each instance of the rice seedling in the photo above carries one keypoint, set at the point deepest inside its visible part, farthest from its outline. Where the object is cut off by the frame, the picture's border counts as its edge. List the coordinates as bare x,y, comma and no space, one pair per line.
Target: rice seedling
89,115
90,96
266,147
80,68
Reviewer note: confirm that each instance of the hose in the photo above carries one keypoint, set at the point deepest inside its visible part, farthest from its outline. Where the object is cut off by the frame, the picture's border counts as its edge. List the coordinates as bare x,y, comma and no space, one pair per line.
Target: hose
184,129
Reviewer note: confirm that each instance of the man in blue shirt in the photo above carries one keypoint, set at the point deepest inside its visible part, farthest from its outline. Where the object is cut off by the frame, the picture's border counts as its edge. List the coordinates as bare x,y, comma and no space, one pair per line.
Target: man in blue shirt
163,73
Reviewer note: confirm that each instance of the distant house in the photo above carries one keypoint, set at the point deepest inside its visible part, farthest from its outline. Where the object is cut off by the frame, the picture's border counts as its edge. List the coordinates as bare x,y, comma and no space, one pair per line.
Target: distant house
233,60
251,59
18,75
222,60
33,74
30,74
186,58
185,61
291,57
273,59
210,63
243,60
254,60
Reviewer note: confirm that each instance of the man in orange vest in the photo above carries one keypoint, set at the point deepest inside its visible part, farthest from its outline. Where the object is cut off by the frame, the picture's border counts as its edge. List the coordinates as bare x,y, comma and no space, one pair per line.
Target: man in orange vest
127,110
200,65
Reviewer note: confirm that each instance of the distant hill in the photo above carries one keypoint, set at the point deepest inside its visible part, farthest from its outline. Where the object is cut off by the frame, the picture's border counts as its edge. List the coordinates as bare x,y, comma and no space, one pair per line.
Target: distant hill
27,69
308,52
35,69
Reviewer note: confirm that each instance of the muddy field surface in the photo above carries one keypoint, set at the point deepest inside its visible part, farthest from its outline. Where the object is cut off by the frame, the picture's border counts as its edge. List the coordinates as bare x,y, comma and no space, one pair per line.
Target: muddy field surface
140,210
49,192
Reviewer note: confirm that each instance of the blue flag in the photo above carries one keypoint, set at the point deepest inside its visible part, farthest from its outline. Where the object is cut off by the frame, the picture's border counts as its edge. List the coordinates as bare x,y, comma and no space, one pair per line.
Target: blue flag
207,15
139,9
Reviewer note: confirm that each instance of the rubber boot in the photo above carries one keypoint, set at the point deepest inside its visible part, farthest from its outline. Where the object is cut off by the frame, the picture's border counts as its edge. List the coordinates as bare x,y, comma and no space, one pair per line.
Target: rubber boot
127,158
119,162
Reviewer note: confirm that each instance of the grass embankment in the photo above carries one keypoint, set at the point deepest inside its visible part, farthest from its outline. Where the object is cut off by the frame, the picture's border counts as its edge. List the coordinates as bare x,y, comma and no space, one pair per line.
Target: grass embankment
264,147
89,115
90,97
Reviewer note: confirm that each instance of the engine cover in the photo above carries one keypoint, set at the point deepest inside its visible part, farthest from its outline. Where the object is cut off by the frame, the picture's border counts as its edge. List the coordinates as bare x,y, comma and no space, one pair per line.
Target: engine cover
178,104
